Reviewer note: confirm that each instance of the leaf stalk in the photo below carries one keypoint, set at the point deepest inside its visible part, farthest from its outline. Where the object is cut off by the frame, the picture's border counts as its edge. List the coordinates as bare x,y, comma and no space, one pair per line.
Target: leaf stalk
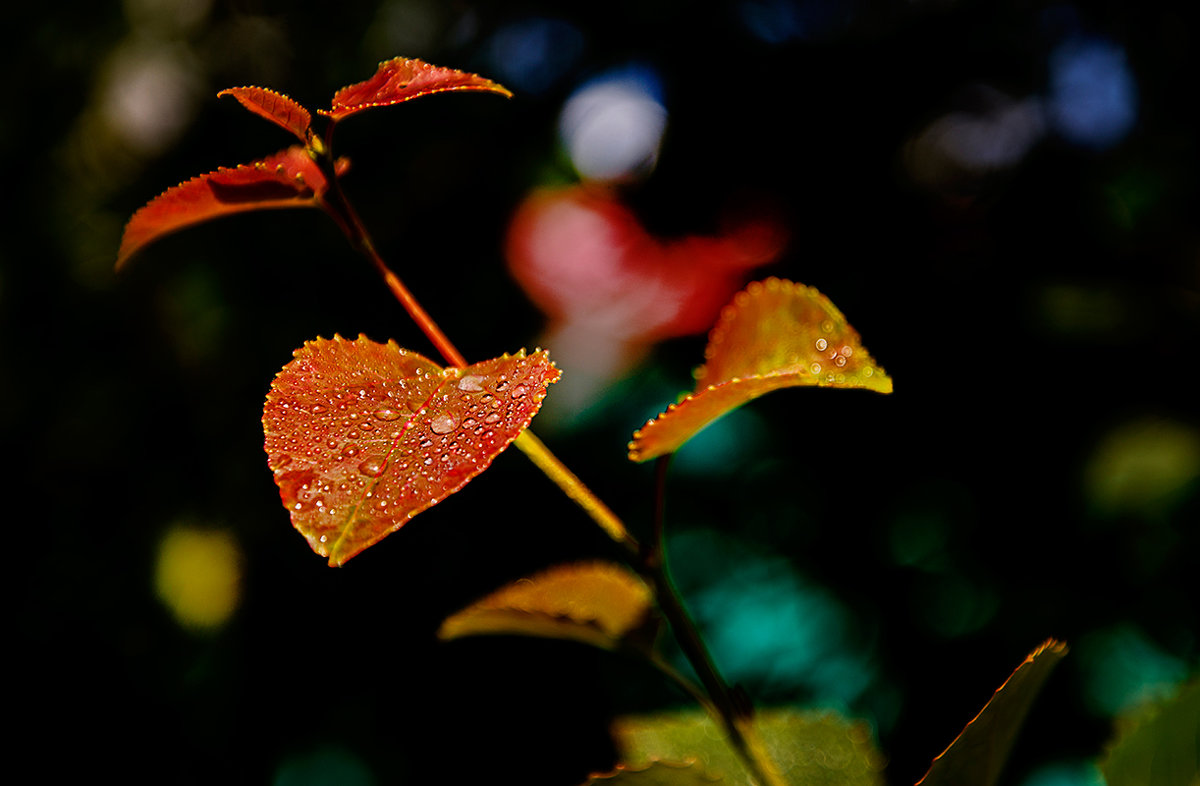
716,696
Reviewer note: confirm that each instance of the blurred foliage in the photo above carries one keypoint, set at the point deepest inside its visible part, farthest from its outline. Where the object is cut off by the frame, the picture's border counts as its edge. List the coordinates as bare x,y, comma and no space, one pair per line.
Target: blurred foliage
1158,744
1035,293
811,749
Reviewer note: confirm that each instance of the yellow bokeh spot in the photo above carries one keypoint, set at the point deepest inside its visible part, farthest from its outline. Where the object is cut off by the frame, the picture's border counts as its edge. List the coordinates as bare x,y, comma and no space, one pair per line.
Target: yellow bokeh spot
1143,467
198,576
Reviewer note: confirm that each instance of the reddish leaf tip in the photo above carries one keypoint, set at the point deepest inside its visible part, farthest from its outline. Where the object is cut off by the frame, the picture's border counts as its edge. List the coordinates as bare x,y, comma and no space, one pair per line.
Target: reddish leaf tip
403,79
275,107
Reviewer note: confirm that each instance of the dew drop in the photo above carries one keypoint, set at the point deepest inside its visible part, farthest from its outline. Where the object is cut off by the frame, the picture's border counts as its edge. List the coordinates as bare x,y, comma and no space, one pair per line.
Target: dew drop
317,409
839,361
373,468
471,384
501,386
847,350
387,413
520,391
413,405
366,425
815,368
443,424
822,345
827,326
492,418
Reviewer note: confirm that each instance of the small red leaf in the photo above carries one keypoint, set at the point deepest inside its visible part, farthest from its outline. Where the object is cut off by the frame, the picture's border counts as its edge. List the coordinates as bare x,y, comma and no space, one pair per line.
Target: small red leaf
363,436
276,107
402,79
287,179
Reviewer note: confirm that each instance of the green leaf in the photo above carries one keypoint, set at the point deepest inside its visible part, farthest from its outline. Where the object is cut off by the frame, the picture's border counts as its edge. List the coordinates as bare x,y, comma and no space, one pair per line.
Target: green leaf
775,334
809,748
1159,745
363,436
978,754
659,773
596,603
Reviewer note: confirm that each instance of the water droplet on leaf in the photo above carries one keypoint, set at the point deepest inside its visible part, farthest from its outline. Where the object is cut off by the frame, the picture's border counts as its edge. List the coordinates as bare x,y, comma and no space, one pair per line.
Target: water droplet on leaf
443,424
372,467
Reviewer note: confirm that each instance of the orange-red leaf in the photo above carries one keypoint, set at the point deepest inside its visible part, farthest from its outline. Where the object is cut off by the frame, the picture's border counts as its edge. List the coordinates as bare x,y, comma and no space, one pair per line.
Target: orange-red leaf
597,603
775,334
287,179
402,79
276,107
363,436
978,754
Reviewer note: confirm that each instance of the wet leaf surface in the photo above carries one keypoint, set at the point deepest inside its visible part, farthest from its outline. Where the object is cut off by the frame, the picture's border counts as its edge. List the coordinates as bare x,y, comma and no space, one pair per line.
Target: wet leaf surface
363,436
596,603
286,179
403,79
775,334
276,107
978,754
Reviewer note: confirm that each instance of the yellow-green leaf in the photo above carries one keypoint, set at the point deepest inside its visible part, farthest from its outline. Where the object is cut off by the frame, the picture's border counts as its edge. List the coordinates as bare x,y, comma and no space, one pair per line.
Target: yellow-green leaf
659,773
596,603
775,334
1159,745
808,748
978,754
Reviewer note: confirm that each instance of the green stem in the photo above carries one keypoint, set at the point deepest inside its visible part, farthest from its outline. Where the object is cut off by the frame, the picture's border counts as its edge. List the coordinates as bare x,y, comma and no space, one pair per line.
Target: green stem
723,707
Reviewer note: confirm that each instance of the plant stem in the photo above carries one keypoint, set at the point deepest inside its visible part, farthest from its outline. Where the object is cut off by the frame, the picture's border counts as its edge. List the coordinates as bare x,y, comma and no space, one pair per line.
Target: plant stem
651,562
338,206
573,487
723,706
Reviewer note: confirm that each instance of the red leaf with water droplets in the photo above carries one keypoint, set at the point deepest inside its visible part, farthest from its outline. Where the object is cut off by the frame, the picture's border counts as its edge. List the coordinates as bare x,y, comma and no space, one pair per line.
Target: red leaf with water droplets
402,79
276,107
363,436
287,179
775,334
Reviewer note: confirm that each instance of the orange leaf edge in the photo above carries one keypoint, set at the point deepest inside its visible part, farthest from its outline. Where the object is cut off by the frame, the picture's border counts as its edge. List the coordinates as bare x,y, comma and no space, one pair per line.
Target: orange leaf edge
1052,645
243,96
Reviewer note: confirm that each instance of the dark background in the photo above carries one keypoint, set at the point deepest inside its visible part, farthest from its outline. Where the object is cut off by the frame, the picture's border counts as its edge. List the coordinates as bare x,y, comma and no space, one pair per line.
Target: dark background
1035,474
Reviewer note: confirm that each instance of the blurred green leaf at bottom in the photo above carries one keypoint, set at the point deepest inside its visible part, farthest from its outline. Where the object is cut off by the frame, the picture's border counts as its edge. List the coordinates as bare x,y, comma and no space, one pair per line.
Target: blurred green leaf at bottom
1159,745
810,748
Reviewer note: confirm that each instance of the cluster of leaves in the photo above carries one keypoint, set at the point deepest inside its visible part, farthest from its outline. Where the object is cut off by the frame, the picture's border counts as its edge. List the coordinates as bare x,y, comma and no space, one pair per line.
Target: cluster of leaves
362,436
